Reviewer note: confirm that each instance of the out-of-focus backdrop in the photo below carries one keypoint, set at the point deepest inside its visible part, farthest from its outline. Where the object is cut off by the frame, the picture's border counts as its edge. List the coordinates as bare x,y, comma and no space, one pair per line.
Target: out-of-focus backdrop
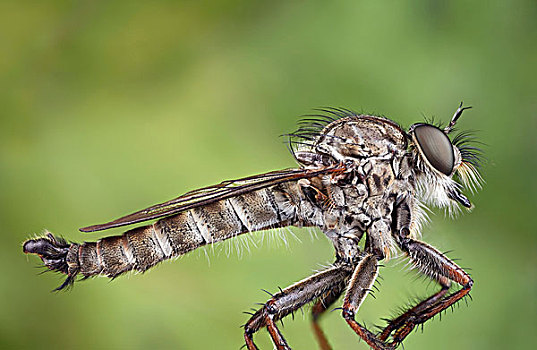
109,107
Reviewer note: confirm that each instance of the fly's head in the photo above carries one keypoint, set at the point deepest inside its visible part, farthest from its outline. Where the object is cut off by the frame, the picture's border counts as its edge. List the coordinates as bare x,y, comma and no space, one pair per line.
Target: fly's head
440,161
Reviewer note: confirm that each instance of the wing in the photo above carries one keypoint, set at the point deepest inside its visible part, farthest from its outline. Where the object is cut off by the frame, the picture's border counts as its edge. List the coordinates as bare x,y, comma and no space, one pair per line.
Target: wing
211,194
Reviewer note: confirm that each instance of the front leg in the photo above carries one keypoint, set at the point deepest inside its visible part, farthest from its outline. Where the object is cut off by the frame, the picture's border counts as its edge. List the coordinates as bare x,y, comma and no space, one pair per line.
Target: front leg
431,263
437,266
291,299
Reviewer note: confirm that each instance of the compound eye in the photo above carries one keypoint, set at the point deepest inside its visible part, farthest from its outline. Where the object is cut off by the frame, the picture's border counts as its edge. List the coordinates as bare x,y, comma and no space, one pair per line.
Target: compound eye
436,147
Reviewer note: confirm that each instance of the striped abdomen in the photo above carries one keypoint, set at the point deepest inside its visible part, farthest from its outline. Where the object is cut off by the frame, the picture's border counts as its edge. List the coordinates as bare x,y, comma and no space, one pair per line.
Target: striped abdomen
143,247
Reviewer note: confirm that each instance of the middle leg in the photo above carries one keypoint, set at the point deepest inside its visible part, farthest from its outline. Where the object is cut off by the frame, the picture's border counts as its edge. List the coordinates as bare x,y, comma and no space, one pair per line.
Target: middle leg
360,285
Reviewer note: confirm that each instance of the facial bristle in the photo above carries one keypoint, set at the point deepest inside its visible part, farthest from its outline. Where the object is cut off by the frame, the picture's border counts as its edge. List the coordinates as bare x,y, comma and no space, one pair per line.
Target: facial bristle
468,144
470,176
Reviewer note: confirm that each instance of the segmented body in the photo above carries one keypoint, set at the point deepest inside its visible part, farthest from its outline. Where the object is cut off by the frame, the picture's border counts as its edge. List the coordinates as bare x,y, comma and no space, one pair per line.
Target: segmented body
344,206
359,175
143,247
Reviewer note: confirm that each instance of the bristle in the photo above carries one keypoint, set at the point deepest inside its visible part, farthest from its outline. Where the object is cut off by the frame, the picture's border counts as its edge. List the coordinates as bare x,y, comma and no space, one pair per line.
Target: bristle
467,143
311,127
470,176
53,252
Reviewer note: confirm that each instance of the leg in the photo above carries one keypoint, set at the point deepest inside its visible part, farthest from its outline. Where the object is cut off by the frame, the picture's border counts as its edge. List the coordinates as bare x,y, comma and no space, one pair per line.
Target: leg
437,266
362,279
400,321
291,299
433,264
318,309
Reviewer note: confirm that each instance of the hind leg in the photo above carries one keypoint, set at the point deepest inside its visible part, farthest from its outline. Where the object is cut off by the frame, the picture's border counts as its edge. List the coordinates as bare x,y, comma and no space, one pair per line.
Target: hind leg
291,299
318,310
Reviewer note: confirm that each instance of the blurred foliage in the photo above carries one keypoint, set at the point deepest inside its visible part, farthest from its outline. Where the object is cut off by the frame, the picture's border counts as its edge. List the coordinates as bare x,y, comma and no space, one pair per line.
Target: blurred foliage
108,107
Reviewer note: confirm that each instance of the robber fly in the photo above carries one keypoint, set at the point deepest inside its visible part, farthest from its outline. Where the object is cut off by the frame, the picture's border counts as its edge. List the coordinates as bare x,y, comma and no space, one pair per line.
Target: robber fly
358,175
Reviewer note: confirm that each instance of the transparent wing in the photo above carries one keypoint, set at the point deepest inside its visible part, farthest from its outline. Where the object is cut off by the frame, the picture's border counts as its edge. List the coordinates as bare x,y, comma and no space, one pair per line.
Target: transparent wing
211,194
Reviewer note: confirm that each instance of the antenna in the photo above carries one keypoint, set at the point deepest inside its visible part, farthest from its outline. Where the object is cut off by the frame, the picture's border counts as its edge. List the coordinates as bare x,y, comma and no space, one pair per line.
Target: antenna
456,117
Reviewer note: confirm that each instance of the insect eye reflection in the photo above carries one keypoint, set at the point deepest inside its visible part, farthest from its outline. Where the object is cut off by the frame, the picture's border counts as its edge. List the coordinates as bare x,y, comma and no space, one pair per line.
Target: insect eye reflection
435,146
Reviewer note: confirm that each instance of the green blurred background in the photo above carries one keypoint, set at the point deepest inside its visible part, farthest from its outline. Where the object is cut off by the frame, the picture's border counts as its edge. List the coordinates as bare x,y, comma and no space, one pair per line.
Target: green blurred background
109,107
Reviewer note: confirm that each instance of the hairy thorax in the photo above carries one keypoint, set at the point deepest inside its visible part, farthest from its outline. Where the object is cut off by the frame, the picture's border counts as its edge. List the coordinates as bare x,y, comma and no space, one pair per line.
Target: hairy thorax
360,202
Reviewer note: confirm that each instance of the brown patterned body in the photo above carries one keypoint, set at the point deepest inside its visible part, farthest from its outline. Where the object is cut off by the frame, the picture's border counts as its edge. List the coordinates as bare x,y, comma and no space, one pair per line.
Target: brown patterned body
343,205
359,175
143,247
